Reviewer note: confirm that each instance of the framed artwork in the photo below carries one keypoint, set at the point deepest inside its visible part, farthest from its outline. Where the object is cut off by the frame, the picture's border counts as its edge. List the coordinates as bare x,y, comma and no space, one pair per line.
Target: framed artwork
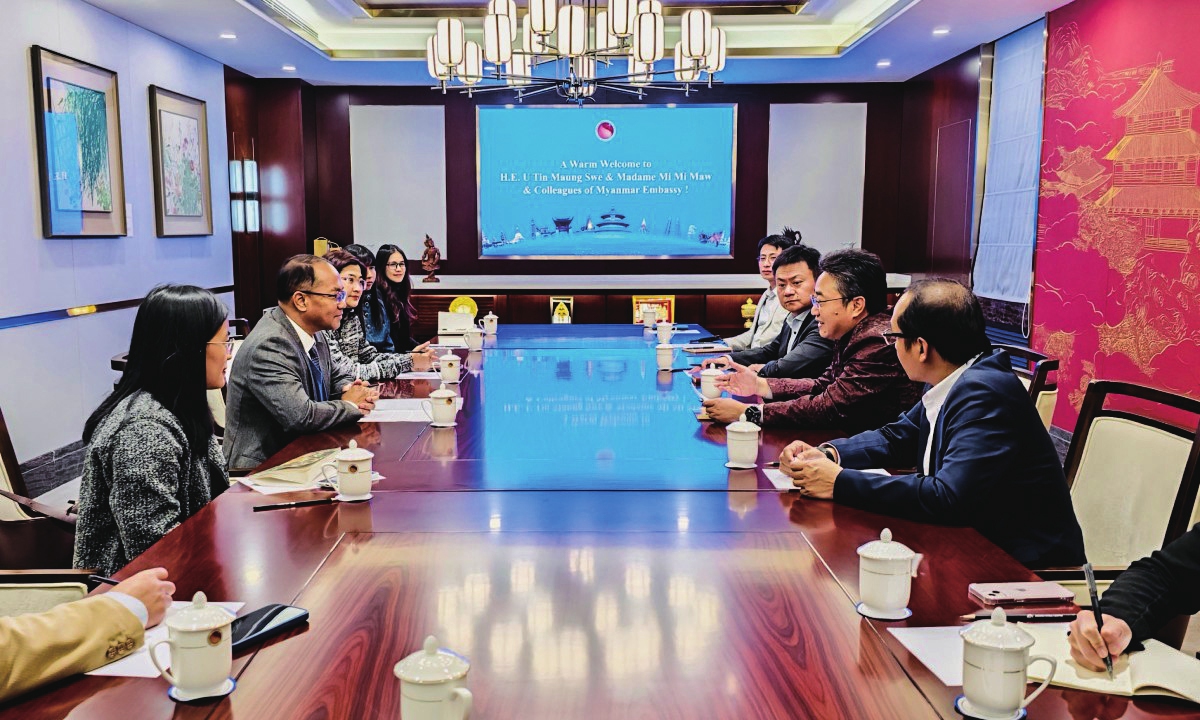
78,123
664,306
179,154
561,309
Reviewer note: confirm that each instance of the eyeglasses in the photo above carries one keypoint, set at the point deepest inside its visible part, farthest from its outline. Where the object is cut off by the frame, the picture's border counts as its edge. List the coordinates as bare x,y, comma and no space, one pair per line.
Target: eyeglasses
394,265
227,343
890,338
817,302
338,296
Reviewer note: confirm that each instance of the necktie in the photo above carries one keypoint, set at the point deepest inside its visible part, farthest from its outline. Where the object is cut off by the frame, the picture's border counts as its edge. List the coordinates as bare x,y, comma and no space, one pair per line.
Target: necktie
320,393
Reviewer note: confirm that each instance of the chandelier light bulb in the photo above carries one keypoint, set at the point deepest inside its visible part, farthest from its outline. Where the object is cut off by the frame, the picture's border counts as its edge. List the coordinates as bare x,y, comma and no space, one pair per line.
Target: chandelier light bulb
518,70
543,16
639,72
470,70
606,42
621,17
572,30
497,44
714,62
686,69
450,41
534,43
648,36
508,8
696,33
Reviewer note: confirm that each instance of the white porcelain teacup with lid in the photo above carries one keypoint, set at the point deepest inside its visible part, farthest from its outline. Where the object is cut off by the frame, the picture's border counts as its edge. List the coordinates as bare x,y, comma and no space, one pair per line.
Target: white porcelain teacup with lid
995,669
489,322
441,407
708,382
353,479
448,367
201,651
433,684
474,339
741,439
885,572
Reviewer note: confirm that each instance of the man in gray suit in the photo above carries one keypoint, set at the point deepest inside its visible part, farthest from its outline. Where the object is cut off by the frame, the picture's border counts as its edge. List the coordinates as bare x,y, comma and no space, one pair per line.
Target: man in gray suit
798,351
283,383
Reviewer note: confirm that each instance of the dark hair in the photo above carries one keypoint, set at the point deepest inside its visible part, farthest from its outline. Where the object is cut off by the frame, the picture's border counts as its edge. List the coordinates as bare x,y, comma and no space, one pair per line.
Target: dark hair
783,240
296,274
341,259
858,273
397,296
810,256
363,253
948,315
168,359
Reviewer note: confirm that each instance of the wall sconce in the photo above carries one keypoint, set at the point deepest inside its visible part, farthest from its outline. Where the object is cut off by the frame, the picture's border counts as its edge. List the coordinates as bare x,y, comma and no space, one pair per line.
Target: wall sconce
244,212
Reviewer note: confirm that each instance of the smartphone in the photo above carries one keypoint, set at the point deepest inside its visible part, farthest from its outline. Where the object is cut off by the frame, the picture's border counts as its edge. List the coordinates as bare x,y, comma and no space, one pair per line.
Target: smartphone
253,628
1017,593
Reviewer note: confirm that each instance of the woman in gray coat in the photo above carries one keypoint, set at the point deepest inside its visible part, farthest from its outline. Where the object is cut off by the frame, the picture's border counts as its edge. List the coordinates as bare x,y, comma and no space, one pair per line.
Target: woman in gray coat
152,460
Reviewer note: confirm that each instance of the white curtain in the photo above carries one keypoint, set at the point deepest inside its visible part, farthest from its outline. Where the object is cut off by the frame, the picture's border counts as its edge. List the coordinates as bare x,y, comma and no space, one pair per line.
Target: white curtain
1008,227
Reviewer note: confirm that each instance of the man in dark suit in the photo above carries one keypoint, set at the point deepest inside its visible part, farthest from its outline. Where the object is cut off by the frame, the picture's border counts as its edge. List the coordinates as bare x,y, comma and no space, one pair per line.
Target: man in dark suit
283,383
798,351
983,456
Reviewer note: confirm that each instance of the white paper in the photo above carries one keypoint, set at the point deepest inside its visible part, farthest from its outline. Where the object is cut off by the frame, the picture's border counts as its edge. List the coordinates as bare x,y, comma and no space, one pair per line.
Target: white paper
403,410
448,341
138,663
778,479
279,488
686,332
419,375
939,648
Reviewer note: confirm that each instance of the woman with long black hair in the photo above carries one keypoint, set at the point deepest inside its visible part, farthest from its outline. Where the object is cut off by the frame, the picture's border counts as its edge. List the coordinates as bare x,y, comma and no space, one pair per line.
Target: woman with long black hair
152,459
391,266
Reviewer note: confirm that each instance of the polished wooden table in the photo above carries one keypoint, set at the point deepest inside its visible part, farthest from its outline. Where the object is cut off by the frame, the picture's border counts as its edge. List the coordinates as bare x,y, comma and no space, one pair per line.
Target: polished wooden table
594,559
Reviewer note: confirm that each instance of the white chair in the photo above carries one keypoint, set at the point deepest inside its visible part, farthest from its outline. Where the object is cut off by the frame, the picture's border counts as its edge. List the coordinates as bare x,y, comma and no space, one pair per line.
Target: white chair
1035,376
1133,479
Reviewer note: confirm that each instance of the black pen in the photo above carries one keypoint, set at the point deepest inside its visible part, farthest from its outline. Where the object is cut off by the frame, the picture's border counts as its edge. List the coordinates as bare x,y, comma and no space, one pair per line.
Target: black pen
102,579
296,504
772,464
1091,581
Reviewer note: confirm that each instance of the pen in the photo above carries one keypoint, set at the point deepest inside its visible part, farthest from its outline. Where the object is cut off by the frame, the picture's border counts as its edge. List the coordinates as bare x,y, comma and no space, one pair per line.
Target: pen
102,579
1025,617
1091,581
296,504
775,464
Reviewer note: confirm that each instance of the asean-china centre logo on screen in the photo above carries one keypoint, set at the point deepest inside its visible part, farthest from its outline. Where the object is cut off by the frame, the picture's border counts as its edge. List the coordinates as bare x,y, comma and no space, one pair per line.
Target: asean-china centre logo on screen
605,130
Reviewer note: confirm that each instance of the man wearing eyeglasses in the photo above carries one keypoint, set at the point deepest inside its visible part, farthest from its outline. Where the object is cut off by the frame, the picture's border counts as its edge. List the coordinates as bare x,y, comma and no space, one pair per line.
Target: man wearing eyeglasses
864,385
982,454
283,382
770,314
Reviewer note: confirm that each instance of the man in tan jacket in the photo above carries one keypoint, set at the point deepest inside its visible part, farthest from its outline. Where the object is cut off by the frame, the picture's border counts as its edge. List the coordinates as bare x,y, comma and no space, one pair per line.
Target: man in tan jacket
75,637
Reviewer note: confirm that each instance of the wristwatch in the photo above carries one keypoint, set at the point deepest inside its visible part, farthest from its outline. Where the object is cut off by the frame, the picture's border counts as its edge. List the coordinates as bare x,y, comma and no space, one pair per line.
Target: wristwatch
754,414
829,452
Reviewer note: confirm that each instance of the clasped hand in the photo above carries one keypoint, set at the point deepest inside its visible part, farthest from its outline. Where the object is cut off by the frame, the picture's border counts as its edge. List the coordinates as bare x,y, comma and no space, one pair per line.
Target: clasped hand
361,394
812,473
422,357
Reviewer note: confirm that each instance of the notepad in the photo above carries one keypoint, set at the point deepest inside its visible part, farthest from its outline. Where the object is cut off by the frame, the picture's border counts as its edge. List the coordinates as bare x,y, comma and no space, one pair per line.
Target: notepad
699,348
1158,670
303,471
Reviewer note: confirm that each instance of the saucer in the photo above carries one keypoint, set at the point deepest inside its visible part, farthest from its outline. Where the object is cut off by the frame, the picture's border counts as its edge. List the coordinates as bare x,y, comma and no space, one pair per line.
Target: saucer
873,613
181,696
443,425
352,498
740,466
964,708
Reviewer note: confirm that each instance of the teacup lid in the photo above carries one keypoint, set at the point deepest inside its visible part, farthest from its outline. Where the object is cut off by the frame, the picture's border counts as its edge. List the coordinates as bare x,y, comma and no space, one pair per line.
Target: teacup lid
997,633
664,346
442,393
712,372
448,356
742,426
431,665
885,548
354,452
199,616
492,315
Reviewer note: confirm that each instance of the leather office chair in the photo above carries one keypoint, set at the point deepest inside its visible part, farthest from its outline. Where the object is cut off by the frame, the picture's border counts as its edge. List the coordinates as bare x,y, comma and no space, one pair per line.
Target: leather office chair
1036,378
32,535
1134,480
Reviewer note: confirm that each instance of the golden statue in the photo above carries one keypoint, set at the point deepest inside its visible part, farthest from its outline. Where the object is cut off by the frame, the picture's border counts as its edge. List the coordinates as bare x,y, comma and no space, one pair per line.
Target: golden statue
748,311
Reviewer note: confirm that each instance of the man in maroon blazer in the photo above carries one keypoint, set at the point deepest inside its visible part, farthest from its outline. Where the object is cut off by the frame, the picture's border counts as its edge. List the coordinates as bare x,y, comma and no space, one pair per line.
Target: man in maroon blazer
865,386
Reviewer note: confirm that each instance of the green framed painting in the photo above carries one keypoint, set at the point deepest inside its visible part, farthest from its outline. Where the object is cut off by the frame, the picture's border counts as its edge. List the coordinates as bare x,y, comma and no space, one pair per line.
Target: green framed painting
179,150
78,127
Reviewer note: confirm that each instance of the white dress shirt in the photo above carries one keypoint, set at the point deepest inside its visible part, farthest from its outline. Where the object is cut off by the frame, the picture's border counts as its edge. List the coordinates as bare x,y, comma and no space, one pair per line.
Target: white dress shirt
934,399
137,607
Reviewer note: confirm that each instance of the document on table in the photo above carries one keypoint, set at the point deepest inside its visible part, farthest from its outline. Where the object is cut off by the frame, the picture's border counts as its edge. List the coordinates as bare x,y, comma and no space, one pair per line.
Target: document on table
402,410
939,648
449,341
420,375
139,664
269,488
784,483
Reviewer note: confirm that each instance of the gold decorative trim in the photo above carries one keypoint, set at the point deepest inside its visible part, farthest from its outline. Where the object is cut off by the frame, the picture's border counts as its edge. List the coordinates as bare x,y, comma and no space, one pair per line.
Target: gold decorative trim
442,9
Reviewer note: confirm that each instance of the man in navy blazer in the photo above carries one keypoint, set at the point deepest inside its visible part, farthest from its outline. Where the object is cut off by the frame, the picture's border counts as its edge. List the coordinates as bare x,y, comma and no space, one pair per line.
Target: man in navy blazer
983,457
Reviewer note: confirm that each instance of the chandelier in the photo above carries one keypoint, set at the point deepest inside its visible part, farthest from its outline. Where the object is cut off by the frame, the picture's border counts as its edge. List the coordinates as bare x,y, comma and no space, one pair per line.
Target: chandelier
576,39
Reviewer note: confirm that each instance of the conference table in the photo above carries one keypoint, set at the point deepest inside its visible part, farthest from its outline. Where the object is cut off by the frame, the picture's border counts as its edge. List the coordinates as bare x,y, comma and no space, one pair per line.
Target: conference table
578,537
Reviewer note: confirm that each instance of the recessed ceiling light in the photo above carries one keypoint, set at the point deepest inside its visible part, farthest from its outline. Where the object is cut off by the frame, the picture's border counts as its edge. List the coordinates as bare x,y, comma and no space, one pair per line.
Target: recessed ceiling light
509,106
883,63
289,68
228,36
941,31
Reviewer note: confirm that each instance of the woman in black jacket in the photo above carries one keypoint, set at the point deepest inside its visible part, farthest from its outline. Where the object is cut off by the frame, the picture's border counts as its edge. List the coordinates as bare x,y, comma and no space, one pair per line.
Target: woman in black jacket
393,285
